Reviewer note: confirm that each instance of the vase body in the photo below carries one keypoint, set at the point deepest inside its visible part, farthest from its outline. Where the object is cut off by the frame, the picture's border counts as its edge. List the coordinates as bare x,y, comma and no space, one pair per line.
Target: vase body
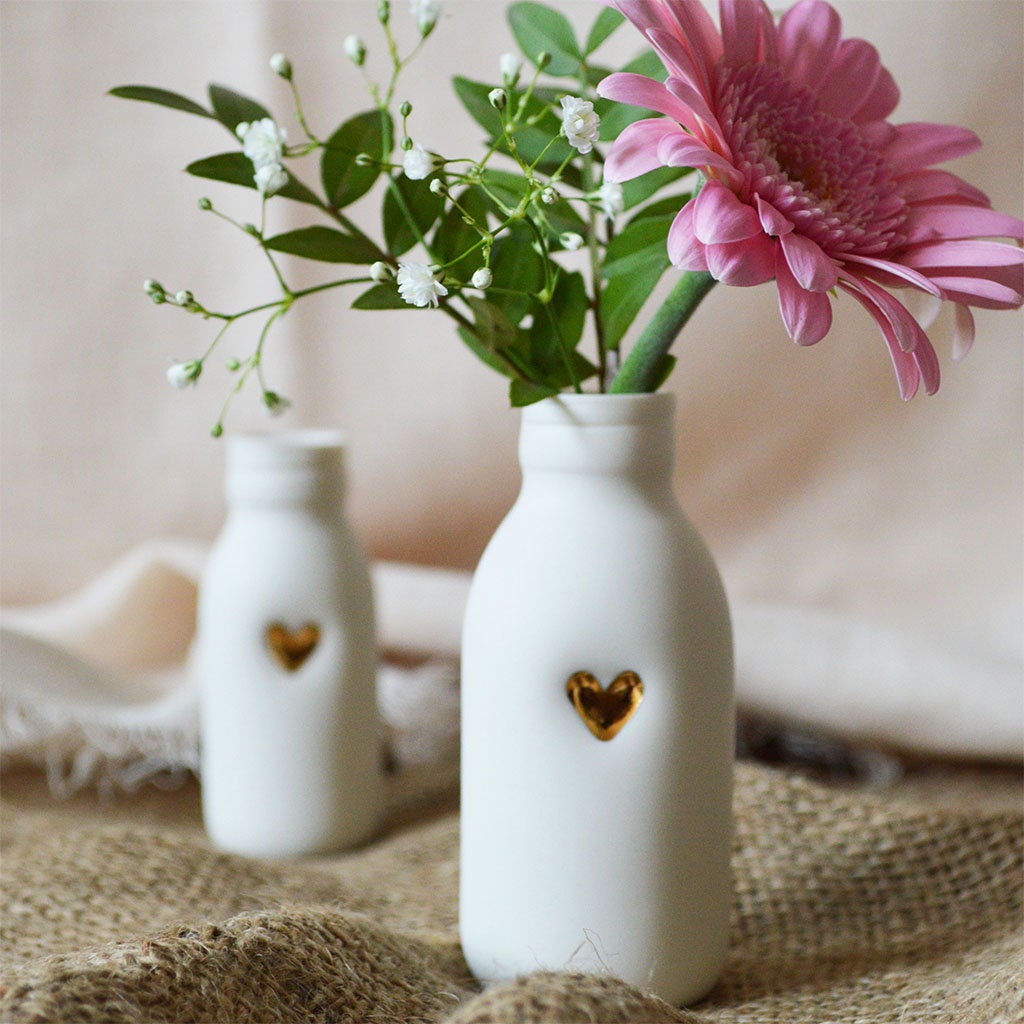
286,657
580,850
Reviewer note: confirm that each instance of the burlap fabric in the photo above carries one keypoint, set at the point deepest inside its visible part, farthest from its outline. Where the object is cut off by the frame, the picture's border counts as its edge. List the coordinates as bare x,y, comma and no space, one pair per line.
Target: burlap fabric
851,905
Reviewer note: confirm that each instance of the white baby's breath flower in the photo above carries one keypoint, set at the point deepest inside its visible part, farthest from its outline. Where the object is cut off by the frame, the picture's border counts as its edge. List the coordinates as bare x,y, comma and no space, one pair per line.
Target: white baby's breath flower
511,68
571,240
417,163
610,198
355,49
262,141
183,375
271,178
483,278
579,123
418,286
426,13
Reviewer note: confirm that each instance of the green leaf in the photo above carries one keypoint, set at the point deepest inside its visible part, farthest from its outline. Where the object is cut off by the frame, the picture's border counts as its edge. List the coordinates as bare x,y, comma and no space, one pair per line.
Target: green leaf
236,169
522,392
540,29
616,116
518,271
556,331
640,189
326,245
634,263
494,330
343,179
473,96
410,211
454,238
607,22
163,98
231,108
381,296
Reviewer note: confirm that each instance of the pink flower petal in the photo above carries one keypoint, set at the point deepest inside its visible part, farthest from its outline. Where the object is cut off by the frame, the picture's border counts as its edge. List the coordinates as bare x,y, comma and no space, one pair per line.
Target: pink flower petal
684,251
811,268
806,314
932,184
693,100
849,79
894,270
881,101
748,32
682,150
963,331
640,91
808,36
982,292
743,264
720,217
697,28
773,222
905,329
635,151
920,144
928,365
968,252
679,61
908,376
930,222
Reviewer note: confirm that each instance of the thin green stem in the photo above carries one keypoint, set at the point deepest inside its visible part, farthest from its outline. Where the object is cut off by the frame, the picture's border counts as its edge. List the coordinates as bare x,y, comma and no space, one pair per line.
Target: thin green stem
644,368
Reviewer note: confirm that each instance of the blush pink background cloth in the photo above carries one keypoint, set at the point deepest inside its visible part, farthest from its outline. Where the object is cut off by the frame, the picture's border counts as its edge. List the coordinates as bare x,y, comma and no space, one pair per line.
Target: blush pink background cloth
872,549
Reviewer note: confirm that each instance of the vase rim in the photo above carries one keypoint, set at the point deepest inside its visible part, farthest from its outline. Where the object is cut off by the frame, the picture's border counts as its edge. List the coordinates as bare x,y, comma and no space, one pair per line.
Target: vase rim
596,409
301,439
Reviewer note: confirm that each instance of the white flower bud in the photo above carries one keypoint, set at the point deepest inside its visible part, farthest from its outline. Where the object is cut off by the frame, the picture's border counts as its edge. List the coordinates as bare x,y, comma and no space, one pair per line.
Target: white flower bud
274,403
511,68
152,287
183,375
271,178
355,50
549,196
380,272
281,65
483,278
498,98
437,186
184,298
571,240
426,13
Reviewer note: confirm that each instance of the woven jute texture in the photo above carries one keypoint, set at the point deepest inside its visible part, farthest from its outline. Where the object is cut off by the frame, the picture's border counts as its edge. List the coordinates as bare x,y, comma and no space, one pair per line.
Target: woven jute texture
851,905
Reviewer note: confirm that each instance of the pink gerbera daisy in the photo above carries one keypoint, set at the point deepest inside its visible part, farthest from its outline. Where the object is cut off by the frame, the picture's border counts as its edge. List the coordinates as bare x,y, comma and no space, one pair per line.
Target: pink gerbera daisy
807,183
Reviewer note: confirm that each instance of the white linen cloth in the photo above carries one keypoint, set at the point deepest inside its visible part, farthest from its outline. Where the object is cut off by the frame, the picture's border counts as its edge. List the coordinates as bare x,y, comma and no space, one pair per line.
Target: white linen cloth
97,687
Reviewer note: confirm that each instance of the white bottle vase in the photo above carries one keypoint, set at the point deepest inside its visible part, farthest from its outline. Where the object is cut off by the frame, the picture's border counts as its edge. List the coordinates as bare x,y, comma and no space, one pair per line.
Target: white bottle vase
597,714
290,762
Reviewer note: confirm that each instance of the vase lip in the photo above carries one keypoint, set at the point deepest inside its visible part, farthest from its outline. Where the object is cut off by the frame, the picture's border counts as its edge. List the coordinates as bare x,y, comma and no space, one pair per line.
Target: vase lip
301,439
597,409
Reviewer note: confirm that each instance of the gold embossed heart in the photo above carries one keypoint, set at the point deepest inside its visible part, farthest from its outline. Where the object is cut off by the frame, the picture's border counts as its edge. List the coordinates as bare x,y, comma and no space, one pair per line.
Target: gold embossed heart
605,710
290,648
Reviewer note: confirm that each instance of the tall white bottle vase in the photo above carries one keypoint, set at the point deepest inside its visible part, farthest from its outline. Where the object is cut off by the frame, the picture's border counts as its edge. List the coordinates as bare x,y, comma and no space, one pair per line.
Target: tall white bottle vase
290,761
597,714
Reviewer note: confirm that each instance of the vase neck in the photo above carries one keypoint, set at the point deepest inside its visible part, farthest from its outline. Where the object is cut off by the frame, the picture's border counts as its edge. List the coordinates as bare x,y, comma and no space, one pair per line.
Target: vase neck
605,435
299,468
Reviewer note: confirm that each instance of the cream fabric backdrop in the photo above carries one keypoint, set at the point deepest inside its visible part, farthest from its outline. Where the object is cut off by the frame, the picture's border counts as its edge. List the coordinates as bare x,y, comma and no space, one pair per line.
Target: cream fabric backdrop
815,486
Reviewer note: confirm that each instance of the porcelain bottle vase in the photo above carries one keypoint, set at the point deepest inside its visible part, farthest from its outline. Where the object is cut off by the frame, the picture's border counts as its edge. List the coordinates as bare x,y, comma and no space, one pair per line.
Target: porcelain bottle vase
597,714
290,762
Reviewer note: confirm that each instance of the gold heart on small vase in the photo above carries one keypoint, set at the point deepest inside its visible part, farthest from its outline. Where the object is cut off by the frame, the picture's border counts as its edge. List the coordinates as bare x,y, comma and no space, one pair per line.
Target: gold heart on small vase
290,648
605,711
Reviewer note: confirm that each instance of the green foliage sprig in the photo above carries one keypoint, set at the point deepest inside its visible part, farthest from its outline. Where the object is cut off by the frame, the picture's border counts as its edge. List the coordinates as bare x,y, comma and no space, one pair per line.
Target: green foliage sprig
490,233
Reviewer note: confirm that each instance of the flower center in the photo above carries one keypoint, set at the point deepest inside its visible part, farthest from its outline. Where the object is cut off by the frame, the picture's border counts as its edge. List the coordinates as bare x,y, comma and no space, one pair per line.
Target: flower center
816,169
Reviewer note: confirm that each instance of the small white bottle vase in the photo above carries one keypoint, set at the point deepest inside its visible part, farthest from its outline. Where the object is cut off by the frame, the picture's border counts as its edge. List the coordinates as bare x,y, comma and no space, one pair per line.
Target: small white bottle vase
290,762
597,715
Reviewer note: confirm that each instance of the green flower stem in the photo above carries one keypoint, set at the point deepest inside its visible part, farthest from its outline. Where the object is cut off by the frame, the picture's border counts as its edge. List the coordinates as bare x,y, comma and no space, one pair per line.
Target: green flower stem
643,368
